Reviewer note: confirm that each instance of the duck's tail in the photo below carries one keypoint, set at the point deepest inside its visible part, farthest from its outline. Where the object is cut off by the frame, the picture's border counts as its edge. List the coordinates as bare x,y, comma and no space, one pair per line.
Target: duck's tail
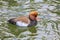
12,21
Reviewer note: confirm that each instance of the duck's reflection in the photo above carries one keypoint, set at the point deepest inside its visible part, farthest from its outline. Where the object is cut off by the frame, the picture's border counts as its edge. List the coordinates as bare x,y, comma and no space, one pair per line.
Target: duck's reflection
17,30
32,29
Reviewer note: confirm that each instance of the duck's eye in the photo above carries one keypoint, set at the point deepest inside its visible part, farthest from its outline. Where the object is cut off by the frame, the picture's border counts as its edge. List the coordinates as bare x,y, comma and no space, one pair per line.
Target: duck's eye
35,15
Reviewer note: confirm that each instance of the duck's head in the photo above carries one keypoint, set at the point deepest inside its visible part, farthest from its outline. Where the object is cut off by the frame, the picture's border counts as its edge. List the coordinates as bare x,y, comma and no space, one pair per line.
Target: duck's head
33,15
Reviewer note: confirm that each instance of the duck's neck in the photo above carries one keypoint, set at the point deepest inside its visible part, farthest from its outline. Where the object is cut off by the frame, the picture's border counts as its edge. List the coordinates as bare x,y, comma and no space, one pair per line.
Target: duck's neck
32,22
32,19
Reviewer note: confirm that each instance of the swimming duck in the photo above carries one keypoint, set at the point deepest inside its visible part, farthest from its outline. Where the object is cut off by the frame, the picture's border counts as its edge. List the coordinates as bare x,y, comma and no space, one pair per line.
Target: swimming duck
29,21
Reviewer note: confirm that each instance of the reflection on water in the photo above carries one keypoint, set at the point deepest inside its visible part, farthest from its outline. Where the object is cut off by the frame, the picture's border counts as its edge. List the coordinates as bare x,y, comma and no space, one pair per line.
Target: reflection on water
17,30
32,29
48,28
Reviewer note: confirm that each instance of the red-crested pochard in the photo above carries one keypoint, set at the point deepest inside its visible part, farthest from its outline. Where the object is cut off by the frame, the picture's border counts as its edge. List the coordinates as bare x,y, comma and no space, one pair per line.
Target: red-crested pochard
29,21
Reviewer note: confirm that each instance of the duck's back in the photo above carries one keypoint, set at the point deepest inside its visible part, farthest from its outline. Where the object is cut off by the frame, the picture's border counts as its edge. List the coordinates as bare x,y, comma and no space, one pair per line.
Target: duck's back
23,19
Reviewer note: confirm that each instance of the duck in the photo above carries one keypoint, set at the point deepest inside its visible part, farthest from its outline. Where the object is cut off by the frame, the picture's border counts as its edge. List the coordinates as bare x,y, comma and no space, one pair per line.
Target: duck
23,21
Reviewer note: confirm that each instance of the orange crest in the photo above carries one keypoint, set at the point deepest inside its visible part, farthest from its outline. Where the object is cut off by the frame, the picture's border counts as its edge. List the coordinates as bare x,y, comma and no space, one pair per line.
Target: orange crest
34,13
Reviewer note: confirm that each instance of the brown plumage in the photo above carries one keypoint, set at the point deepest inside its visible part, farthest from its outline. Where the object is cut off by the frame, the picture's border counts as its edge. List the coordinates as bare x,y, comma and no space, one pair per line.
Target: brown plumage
23,19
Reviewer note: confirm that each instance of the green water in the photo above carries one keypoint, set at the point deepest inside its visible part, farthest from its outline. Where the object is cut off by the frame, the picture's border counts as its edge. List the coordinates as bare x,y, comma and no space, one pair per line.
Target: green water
48,28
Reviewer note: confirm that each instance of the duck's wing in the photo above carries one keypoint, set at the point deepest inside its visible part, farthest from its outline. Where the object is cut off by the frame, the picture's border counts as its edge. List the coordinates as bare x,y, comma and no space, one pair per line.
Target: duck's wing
23,19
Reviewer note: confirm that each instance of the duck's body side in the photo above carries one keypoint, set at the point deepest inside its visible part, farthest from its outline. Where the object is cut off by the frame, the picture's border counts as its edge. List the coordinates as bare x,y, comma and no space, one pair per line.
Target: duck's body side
22,21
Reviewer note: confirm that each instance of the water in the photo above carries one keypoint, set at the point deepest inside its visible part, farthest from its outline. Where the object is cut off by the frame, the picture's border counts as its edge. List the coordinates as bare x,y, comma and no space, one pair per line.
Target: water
48,28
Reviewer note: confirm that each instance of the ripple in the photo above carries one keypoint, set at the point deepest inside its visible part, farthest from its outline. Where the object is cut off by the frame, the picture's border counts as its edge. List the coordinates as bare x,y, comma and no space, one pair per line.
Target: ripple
47,28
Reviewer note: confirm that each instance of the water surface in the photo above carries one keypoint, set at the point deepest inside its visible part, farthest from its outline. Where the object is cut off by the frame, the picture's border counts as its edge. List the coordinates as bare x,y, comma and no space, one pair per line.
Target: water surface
48,28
